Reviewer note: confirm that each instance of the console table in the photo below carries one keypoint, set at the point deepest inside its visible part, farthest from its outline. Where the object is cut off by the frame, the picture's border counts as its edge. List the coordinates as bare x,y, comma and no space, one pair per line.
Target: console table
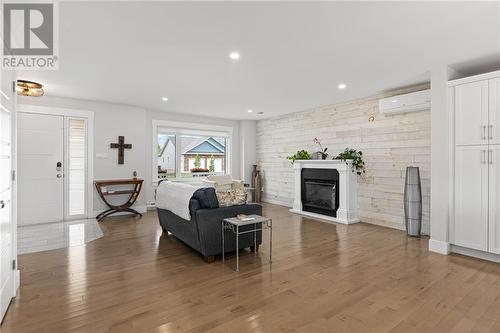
102,187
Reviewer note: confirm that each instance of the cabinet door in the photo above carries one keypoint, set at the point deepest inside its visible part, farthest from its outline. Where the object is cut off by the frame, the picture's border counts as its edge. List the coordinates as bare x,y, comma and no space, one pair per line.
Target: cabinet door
471,113
471,197
494,198
494,112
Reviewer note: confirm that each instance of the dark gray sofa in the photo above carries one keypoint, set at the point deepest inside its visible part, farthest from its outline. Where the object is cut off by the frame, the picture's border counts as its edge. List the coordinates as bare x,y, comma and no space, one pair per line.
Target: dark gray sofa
203,231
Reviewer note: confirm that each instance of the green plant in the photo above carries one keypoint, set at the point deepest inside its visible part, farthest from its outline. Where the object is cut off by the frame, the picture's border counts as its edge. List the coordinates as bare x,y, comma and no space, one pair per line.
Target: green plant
299,155
211,165
197,161
358,165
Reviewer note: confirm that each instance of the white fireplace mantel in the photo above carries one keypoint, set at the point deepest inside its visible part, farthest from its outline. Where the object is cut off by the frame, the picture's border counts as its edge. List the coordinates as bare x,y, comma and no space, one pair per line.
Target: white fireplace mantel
347,212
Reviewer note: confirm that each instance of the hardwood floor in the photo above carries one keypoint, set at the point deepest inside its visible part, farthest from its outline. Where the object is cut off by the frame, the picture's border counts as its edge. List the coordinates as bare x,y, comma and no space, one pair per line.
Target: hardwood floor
324,278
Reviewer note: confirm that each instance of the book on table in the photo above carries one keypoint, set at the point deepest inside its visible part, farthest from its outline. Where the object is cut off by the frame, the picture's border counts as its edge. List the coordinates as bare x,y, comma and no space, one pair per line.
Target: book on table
244,217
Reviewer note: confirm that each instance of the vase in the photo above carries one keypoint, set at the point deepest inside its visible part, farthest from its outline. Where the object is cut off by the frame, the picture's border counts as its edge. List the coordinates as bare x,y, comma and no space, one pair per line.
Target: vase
413,202
254,172
258,186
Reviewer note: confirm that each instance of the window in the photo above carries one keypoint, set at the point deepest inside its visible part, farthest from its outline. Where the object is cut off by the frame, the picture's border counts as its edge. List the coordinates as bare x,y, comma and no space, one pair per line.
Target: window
202,155
166,155
186,151
77,166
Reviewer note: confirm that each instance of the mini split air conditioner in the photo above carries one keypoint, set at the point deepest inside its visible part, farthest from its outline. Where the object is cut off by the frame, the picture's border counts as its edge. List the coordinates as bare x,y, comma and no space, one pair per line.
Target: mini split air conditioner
412,102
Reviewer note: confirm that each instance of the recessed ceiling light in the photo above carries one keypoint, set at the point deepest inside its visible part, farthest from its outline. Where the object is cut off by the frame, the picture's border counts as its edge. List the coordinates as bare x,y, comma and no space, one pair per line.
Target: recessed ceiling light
164,99
250,110
234,55
342,86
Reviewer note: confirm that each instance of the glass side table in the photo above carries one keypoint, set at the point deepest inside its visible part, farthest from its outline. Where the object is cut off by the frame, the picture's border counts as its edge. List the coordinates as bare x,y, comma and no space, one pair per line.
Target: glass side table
234,225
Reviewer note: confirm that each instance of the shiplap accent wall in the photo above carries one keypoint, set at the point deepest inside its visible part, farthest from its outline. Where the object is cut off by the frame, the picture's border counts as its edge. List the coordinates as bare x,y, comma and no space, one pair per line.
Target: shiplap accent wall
389,144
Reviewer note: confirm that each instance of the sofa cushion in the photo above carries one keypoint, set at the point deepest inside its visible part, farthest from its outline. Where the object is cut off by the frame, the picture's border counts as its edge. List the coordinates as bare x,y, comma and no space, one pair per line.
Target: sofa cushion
236,196
221,179
206,197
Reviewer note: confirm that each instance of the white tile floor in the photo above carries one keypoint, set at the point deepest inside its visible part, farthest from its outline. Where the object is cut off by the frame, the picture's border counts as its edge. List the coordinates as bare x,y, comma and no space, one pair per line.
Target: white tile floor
49,236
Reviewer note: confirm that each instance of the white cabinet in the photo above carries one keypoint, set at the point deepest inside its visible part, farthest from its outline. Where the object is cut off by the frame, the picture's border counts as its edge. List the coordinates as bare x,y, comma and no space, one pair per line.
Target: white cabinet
471,113
475,107
471,197
494,198
494,111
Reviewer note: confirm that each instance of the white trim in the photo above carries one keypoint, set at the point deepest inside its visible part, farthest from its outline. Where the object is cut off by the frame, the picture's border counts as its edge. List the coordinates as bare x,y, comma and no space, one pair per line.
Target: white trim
180,125
180,128
440,247
475,253
451,164
469,79
277,202
73,113
325,218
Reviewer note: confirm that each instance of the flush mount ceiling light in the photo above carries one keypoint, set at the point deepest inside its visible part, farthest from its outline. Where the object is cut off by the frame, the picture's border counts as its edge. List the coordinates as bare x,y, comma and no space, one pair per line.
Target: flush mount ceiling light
29,88
164,99
342,86
250,110
234,55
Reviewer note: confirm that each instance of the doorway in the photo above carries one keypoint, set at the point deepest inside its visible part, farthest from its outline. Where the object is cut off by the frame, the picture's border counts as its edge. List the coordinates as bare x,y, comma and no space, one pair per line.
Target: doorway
54,165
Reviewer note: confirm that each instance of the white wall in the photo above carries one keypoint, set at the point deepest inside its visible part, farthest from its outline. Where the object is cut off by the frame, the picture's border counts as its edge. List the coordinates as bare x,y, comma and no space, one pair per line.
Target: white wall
110,121
440,158
389,144
248,154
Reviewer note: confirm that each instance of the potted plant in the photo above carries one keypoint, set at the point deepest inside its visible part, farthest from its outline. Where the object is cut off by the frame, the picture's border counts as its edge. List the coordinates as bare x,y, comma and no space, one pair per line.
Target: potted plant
322,152
356,158
299,155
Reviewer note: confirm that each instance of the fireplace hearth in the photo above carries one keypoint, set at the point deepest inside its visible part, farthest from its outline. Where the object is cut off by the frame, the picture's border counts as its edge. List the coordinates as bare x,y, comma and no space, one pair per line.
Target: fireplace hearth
320,191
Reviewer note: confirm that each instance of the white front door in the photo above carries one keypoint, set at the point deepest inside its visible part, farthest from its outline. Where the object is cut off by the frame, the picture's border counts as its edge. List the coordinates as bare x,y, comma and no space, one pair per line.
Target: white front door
7,232
40,168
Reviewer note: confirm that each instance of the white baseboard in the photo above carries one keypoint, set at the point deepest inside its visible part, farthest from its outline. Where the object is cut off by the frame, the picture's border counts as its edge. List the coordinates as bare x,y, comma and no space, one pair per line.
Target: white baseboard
140,208
324,218
276,201
440,247
17,280
475,253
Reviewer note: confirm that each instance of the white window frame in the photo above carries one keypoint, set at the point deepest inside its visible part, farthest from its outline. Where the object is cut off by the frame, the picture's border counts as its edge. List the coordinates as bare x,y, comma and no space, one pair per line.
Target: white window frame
178,128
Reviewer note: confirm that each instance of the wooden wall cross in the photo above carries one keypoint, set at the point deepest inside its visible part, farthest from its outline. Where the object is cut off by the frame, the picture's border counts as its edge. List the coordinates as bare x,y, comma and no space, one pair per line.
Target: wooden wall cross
121,145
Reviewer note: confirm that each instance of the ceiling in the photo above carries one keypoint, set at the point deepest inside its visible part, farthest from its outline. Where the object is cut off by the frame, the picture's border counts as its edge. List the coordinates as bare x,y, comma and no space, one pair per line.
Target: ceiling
293,54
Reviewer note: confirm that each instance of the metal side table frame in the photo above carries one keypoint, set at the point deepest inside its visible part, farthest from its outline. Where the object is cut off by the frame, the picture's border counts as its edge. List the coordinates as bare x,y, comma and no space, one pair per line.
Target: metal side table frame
234,225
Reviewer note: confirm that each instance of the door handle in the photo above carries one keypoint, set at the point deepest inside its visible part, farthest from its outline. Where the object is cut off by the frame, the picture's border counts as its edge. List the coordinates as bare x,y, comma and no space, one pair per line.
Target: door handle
490,130
2,204
484,132
483,156
490,156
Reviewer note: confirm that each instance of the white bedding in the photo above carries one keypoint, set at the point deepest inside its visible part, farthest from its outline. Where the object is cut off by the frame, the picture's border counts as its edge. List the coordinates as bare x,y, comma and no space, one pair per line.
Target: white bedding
175,197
